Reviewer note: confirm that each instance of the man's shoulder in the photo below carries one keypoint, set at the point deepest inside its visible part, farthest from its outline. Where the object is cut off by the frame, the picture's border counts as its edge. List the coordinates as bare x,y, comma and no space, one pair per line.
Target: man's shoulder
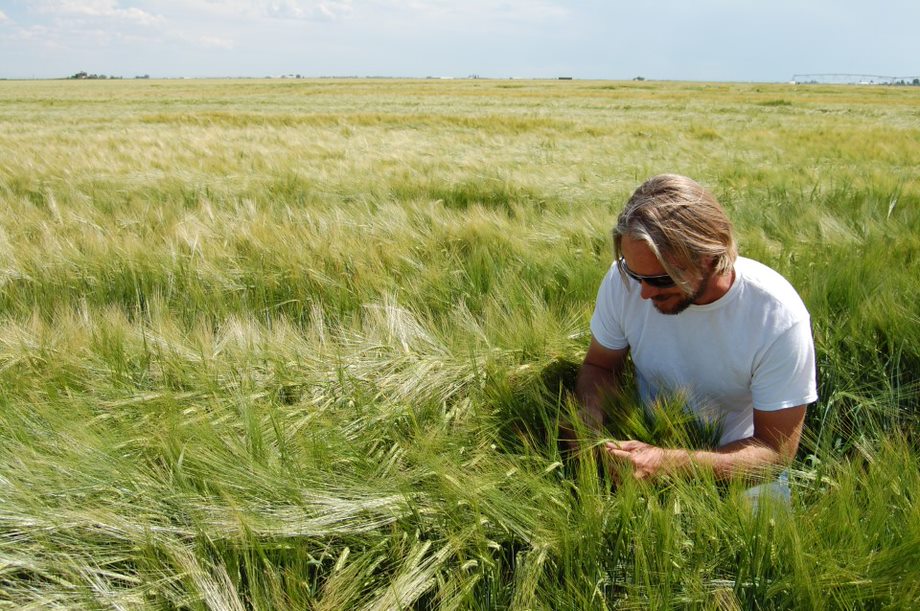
762,277
767,287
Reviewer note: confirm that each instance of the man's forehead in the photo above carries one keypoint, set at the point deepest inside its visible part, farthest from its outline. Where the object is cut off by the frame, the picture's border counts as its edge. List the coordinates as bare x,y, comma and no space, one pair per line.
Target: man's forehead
640,256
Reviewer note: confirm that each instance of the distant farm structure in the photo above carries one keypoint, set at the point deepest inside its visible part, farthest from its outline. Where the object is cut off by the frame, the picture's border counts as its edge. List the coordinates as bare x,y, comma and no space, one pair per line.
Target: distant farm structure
854,79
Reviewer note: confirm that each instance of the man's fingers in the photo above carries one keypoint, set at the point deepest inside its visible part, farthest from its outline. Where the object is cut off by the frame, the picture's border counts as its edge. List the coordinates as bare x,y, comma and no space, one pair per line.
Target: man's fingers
615,450
628,452
624,456
629,444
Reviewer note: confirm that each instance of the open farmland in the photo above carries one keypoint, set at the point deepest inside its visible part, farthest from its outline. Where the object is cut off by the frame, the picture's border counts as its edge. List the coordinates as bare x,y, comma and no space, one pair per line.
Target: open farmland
303,344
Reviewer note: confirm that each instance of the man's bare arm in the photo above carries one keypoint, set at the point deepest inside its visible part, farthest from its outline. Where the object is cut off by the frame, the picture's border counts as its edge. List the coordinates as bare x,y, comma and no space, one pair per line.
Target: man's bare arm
599,376
774,444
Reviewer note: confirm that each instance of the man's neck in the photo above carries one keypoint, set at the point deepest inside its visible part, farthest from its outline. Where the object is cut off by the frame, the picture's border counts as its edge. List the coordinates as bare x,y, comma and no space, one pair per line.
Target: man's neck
717,287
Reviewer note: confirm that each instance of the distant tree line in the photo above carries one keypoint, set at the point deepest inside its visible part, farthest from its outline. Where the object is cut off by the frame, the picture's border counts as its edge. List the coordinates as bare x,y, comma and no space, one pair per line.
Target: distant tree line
91,77
81,76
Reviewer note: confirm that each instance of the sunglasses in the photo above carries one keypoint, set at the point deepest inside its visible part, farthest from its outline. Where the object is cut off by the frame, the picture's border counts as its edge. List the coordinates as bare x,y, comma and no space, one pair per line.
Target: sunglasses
663,281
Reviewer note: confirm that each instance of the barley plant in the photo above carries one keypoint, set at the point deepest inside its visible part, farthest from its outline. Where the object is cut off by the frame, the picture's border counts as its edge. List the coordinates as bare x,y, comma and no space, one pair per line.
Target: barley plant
306,345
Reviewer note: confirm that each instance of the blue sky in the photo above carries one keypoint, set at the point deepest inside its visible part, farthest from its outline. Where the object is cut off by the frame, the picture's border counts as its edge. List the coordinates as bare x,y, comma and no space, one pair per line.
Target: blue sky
720,40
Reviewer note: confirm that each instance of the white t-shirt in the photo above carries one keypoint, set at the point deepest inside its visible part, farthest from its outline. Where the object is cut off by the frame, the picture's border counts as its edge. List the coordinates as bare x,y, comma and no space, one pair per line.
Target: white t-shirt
750,349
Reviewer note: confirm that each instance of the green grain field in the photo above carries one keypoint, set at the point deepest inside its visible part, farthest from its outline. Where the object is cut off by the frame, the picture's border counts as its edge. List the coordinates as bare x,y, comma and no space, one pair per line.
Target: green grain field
295,344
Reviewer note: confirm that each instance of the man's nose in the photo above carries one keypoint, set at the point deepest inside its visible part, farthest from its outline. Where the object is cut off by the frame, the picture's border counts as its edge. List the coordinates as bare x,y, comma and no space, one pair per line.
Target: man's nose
648,291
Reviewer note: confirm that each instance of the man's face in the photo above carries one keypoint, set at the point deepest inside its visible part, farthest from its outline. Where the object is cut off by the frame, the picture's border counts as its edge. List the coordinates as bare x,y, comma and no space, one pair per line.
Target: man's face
643,262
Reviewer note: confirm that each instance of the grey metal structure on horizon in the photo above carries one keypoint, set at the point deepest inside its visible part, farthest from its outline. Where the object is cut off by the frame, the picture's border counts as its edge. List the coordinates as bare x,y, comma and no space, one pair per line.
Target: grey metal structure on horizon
851,79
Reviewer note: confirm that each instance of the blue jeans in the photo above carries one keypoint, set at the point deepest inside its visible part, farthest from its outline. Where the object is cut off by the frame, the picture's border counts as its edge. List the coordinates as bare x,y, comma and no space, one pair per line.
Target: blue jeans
778,491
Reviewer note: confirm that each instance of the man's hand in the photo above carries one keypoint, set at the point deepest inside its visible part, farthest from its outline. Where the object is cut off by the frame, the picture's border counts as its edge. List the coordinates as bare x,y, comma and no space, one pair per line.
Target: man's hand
773,445
647,461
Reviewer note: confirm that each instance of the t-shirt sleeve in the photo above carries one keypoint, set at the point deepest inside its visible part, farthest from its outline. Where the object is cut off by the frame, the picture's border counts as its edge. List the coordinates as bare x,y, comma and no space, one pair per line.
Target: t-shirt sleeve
784,376
606,323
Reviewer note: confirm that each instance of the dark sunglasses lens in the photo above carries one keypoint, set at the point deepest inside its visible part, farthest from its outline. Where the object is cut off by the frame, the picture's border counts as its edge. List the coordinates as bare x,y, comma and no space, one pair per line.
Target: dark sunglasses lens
662,282
659,282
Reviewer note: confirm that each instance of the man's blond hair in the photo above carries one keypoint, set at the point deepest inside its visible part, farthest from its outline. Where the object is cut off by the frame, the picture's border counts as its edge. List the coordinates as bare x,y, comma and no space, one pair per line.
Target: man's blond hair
682,224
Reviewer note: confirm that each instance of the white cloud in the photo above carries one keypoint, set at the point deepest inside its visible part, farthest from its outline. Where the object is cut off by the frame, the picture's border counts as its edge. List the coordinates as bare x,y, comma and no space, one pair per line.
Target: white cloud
248,10
534,10
479,11
3,17
407,12
296,9
35,33
109,10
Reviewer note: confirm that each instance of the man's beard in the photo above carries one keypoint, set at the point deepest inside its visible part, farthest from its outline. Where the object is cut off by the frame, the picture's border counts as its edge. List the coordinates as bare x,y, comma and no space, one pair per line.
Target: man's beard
687,300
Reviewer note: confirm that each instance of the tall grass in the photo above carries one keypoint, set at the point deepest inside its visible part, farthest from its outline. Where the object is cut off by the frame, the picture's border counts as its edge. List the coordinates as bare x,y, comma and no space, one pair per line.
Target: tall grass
306,344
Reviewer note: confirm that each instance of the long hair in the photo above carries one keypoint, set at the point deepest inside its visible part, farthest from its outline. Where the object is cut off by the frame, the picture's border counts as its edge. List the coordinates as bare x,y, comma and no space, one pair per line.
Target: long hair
682,224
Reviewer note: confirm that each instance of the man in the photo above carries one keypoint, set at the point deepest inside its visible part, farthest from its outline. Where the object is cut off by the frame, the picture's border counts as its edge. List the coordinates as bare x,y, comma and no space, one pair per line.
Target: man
728,333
